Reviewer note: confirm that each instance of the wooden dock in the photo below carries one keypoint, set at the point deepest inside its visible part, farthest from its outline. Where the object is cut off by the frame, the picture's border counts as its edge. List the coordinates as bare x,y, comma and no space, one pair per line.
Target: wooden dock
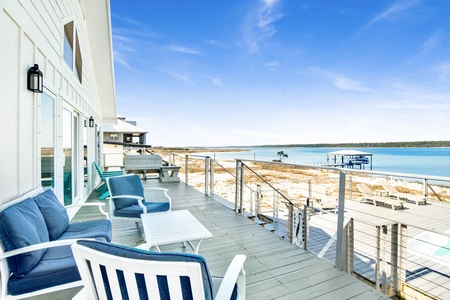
275,269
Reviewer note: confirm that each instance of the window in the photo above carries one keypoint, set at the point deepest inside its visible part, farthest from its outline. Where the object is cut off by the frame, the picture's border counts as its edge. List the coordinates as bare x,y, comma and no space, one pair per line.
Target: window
68,44
73,59
113,136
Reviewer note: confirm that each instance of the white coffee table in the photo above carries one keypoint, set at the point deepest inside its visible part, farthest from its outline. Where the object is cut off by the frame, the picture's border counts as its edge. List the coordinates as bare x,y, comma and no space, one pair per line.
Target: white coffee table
172,227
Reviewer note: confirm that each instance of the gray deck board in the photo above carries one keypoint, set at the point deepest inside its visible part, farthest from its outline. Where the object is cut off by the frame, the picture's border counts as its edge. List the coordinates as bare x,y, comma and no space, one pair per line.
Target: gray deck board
275,269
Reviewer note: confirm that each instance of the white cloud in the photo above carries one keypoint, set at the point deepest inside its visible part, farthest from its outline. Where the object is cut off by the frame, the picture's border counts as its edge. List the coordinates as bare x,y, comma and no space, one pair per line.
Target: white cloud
390,12
272,65
181,49
217,81
183,77
444,70
260,23
341,82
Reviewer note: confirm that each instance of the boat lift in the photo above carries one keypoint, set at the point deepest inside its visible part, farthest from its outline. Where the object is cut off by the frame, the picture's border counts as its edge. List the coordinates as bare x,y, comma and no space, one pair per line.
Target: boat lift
349,159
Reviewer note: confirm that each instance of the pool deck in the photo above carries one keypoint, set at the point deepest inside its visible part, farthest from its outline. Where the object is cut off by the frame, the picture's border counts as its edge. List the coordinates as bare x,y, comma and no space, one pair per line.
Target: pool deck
275,269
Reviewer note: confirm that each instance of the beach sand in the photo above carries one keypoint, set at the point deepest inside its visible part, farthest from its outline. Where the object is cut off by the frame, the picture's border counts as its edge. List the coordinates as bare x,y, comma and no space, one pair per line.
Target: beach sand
293,181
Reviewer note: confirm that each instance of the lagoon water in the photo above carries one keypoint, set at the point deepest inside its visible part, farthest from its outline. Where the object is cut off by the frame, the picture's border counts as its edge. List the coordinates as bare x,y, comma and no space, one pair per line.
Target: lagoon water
420,161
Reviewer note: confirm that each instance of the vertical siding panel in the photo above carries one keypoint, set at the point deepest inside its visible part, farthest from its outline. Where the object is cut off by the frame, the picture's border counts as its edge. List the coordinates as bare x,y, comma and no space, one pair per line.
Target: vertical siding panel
27,121
9,85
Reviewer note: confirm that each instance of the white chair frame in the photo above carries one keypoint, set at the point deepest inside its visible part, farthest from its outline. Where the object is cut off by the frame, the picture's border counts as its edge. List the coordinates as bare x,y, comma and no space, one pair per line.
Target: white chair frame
4,267
139,199
89,262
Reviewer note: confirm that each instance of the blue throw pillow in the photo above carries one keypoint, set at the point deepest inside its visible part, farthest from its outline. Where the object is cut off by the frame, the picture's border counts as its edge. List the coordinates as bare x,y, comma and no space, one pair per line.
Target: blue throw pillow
128,252
55,215
23,225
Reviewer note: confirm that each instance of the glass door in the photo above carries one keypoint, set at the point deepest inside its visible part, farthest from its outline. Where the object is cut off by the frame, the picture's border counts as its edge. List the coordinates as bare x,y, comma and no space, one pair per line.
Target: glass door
47,136
71,155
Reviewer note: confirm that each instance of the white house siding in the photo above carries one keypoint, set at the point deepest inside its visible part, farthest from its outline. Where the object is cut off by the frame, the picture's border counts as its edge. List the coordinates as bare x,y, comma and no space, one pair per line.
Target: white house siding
32,31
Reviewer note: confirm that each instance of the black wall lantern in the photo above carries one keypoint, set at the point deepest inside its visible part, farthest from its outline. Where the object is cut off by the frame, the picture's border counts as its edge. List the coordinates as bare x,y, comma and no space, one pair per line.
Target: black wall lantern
91,121
35,79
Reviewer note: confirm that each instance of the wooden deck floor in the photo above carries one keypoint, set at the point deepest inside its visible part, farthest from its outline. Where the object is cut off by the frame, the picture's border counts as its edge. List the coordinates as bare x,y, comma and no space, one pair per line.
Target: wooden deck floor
275,269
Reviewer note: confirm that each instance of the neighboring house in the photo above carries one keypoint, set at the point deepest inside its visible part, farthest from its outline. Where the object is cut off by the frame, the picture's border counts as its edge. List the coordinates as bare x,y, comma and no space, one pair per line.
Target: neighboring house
52,138
116,137
124,132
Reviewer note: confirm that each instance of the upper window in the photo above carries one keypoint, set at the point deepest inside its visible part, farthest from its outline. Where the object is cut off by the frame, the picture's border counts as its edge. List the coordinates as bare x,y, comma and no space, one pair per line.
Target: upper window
72,58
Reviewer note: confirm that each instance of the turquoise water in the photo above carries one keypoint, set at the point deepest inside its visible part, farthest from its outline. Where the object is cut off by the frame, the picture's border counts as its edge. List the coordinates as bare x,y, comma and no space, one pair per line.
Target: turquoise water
420,161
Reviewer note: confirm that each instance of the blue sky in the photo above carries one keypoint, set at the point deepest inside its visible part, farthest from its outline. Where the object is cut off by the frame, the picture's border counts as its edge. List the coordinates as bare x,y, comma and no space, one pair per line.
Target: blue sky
254,72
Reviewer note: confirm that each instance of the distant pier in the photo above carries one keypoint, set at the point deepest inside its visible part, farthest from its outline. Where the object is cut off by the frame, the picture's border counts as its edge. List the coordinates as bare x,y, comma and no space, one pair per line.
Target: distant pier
351,159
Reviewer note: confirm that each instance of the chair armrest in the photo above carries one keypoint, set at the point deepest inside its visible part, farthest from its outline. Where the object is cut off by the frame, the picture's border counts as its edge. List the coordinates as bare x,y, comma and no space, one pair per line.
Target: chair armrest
165,194
46,245
138,198
127,196
98,204
235,274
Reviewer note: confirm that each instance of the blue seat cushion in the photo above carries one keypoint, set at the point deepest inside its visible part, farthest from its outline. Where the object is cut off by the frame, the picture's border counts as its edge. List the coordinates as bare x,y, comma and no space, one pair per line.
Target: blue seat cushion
23,225
125,185
55,215
134,253
56,267
98,229
135,211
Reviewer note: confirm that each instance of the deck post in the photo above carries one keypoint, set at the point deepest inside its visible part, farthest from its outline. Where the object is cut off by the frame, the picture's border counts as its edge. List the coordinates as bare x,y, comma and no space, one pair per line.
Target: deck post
239,185
384,262
340,222
394,256
290,221
206,175
350,185
310,192
258,201
348,252
377,258
186,170
425,187
398,257
211,176
275,209
306,228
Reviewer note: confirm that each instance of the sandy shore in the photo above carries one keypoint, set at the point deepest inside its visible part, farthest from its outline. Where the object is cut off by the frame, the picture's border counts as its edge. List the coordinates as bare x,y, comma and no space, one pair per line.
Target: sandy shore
293,181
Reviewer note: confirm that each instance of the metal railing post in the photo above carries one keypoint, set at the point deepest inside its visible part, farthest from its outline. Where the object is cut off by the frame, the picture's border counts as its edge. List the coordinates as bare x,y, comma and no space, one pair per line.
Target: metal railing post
398,257
206,175
340,222
310,192
275,208
211,176
239,185
425,187
258,201
350,187
384,242
306,228
290,222
394,256
348,245
186,170
378,258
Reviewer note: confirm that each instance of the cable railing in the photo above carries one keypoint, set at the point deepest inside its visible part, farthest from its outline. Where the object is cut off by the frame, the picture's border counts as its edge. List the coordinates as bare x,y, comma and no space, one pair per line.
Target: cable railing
403,251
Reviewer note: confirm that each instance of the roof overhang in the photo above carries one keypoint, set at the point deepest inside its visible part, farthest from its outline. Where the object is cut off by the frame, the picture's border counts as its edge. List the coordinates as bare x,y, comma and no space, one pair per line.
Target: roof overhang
98,22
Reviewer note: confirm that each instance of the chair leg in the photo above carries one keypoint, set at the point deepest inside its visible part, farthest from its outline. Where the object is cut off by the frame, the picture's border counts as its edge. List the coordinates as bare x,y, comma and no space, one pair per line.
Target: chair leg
104,196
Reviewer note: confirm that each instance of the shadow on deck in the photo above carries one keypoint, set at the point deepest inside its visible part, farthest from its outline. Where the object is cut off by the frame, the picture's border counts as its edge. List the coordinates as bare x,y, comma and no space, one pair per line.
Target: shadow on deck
275,269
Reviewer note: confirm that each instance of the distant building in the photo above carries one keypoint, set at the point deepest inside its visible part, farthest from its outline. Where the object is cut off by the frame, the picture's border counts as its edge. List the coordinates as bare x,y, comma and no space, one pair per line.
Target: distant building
124,132
120,138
